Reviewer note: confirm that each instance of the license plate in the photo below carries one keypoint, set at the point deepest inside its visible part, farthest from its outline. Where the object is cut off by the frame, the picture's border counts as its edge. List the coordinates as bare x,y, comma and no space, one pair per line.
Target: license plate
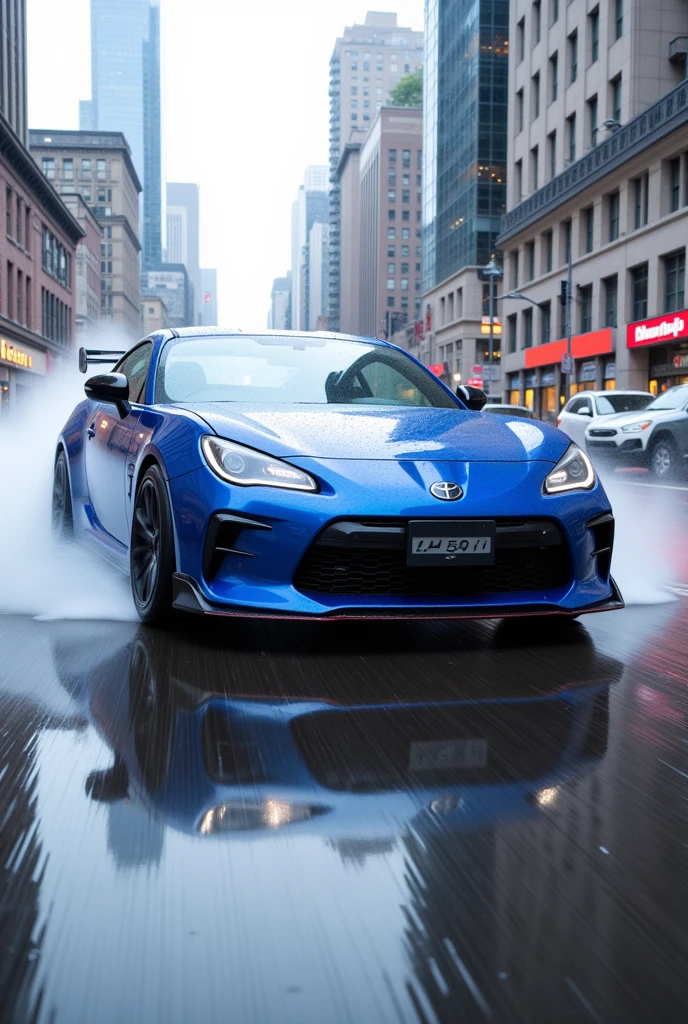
443,755
462,542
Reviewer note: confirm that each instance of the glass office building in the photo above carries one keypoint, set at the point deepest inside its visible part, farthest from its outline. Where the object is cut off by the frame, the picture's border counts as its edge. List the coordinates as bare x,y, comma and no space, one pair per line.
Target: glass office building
125,75
465,133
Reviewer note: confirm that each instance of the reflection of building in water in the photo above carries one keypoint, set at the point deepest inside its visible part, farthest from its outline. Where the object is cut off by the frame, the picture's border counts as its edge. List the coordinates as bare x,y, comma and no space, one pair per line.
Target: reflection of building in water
357,851
134,836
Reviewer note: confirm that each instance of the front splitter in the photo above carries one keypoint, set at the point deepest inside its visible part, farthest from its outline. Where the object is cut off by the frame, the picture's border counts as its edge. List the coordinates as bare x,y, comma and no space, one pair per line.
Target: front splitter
187,597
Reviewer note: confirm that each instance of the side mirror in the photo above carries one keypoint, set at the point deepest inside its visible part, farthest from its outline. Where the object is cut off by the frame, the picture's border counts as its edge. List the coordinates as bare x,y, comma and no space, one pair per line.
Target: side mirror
585,411
112,388
474,398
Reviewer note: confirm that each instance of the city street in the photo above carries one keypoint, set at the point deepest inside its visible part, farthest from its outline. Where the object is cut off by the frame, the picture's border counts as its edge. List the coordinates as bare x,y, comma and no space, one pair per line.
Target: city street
362,823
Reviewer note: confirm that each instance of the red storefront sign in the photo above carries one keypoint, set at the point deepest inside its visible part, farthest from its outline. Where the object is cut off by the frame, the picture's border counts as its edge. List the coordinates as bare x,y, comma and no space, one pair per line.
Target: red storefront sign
660,329
437,368
594,343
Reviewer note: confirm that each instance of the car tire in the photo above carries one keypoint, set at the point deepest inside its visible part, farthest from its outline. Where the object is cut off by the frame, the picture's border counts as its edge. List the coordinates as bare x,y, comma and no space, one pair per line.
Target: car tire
151,551
663,459
62,520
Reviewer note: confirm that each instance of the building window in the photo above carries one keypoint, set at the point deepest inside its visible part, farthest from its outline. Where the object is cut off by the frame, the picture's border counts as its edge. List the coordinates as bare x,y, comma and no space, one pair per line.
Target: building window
391,232
585,298
549,252
391,214
68,169
406,157
391,195
567,241
18,222
534,169
611,294
637,202
519,111
530,260
519,181
592,120
85,173
514,268
392,156
391,175
535,96
594,19
613,201
404,284
552,146
405,233
391,268
55,259
101,170
512,332
406,214
527,328
391,251
390,284
674,184
571,122
545,322
573,57
554,8
619,12
674,281
404,268
617,93
405,195
521,39
589,215
8,211
48,163
639,292
537,22
553,77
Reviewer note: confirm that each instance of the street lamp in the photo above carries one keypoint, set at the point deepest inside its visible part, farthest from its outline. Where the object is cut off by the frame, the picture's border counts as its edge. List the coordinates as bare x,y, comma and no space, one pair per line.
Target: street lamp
492,273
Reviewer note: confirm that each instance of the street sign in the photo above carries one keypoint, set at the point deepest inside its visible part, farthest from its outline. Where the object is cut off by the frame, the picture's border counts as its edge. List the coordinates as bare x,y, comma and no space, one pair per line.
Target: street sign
567,363
477,370
491,373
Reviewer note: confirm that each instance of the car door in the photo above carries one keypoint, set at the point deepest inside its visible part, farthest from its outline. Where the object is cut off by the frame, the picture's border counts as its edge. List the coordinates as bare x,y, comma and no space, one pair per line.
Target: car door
576,418
106,445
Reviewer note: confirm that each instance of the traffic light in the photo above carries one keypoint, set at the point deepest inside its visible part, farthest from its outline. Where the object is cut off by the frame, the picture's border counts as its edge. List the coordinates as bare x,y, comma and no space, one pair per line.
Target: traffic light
564,294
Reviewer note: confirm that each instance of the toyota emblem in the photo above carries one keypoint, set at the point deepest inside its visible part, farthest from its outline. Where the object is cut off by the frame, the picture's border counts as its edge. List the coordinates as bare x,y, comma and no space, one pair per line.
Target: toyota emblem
446,491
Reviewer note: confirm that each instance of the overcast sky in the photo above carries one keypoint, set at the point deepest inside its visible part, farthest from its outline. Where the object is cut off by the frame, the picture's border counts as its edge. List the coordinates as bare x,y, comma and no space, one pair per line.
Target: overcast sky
245,109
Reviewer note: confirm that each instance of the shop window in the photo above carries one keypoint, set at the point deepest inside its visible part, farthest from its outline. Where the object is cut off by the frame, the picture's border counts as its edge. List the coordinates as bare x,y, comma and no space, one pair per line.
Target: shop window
674,281
639,277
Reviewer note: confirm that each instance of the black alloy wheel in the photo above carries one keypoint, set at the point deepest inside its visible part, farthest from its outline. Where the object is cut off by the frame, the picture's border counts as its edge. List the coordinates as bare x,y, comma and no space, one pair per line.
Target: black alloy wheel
663,459
62,524
151,553
151,710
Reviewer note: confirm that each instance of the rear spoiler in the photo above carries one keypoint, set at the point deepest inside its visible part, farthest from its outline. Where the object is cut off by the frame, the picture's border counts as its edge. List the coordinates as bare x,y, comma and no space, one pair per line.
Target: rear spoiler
94,356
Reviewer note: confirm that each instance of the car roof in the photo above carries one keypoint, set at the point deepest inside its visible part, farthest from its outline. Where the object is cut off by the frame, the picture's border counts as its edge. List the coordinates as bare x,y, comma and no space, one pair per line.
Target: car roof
228,332
599,394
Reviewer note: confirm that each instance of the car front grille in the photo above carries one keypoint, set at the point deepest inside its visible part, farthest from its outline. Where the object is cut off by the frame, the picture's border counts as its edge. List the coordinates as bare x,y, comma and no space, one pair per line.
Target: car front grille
601,433
531,556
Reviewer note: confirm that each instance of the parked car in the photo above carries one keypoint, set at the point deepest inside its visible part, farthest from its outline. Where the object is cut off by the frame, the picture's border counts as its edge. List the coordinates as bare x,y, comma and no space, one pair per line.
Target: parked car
509,410
657,438
589,406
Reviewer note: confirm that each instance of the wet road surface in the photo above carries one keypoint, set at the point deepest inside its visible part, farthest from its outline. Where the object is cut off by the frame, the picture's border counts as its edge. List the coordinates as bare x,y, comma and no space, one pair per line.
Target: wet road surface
354,823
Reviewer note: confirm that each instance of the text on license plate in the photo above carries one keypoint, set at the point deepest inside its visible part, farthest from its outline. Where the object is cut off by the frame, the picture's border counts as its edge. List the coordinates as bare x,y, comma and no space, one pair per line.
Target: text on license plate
451,545
443,755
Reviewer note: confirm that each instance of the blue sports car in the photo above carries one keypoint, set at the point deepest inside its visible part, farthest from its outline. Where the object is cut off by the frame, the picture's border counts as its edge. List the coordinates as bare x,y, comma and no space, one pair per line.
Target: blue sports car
324,476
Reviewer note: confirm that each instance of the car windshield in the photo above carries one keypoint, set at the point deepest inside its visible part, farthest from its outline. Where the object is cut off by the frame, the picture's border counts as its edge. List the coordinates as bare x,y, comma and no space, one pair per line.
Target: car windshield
509,410
618,402
674,398
276,369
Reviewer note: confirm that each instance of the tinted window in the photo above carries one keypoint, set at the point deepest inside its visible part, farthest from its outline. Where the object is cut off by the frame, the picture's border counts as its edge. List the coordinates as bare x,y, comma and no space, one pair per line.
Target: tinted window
295,371
576,405
509,410
674,398
611,403
134,366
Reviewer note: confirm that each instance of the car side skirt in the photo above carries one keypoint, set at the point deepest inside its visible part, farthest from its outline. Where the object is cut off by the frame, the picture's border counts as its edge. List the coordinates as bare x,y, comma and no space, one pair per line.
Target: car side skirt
187,597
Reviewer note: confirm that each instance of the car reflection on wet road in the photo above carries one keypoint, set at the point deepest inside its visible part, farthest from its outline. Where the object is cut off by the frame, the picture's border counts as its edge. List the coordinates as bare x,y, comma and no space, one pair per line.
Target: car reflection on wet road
365,823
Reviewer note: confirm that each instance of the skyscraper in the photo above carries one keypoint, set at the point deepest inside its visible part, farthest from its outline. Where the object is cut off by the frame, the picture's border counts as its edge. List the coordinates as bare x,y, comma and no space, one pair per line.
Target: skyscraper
182,217
13,66
125,73
465,128
279,318
311,207
367,62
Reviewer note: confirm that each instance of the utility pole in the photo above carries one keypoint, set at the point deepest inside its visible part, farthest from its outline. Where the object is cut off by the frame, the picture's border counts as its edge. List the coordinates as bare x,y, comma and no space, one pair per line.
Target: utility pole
493,273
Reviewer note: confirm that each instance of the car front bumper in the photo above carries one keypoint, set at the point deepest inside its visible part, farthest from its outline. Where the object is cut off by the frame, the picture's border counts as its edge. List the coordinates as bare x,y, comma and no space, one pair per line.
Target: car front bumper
248,564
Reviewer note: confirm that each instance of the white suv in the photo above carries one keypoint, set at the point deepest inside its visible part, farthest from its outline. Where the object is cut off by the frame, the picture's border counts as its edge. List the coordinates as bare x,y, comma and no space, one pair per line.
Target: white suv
587,407
656,437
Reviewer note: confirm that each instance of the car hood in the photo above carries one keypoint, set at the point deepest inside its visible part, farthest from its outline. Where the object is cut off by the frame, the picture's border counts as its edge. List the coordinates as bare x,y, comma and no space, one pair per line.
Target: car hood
620,419
348,432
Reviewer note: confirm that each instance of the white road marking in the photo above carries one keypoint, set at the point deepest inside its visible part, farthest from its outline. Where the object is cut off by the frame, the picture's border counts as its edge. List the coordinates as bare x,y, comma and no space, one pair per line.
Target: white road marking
660,487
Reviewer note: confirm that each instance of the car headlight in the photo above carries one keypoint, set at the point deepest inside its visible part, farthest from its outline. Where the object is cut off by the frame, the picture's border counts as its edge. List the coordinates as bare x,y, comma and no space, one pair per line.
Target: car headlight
634,428
247,467
572,473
